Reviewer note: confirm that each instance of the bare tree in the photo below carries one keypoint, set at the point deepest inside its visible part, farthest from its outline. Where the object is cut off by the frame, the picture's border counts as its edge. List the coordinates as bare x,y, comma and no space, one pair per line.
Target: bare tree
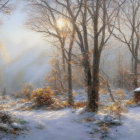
4,5
127,31
54,25
89,20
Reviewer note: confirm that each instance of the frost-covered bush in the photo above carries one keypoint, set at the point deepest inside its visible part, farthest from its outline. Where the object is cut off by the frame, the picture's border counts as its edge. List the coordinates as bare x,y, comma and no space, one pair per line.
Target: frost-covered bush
42,96
27,90
119,106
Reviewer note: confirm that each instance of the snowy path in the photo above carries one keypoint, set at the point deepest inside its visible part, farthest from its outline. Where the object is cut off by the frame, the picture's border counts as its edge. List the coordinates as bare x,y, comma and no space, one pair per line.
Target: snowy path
58,125
130,130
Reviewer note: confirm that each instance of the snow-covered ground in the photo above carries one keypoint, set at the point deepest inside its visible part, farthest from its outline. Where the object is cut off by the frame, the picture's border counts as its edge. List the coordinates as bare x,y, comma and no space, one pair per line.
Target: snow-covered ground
62,125
130,130
52,125
68,124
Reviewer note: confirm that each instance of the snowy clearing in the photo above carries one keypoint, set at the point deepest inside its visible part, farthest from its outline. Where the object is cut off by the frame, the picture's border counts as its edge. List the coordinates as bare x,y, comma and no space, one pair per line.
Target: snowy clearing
62,125
130,130
68,124
52,125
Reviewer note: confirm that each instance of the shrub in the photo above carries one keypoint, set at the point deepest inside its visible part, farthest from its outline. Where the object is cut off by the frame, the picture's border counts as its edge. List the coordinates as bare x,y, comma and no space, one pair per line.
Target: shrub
42,97
79,104
118,107
58,104
130,102
27,91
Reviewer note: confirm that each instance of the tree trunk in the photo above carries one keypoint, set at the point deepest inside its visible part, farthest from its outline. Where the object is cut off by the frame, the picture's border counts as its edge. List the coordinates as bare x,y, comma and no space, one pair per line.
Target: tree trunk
136,74
63,58
132,64
70,94
88,79
94,96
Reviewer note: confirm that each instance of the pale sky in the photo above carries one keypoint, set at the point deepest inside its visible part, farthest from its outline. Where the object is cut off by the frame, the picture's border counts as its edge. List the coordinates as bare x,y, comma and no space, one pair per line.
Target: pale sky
23,53
15,36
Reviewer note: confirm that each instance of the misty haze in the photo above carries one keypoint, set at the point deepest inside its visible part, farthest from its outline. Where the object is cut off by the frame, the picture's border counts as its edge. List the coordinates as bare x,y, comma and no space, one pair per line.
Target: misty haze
69,69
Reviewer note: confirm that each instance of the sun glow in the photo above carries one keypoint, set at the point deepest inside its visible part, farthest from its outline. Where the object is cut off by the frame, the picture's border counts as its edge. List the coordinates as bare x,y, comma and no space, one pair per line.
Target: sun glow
61,23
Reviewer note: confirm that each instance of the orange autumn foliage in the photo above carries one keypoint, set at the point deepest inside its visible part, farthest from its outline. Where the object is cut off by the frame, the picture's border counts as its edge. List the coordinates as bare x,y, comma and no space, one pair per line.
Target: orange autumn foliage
42,96
27,90
79,104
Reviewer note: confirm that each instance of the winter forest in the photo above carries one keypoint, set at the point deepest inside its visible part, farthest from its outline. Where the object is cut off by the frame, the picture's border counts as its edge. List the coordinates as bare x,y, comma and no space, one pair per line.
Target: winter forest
69,70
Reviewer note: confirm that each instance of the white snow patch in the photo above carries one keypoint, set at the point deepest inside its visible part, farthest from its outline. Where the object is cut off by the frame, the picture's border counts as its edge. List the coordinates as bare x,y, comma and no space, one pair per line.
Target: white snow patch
130,130
137,90
56,125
